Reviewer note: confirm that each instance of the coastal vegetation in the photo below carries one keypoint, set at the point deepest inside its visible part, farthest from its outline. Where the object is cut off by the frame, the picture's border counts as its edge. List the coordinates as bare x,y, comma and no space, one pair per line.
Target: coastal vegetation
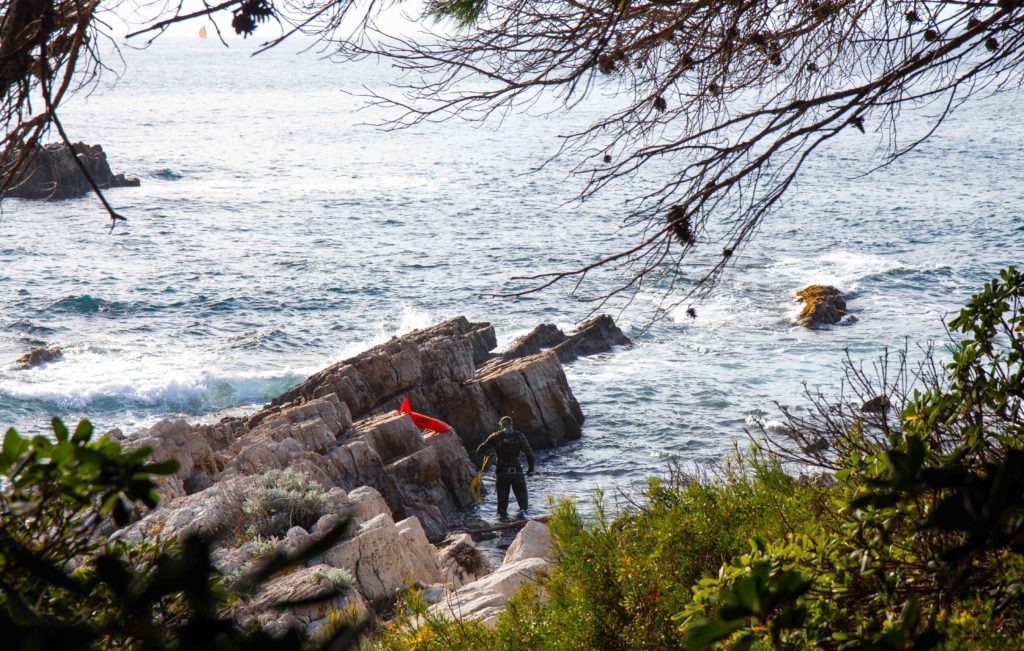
66,585
891,517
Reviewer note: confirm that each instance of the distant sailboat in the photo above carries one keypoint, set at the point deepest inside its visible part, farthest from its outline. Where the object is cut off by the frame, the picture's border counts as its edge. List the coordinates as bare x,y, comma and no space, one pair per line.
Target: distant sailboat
202,32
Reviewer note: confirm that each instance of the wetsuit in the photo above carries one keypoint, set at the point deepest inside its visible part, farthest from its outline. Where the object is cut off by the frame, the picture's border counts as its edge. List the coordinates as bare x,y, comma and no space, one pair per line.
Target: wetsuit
505,446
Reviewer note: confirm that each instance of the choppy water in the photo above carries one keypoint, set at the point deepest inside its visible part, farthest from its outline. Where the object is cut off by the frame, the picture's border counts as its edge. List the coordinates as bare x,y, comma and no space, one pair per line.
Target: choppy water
273,235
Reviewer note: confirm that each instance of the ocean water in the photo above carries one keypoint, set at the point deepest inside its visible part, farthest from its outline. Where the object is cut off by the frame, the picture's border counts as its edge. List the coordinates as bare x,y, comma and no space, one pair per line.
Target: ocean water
275,233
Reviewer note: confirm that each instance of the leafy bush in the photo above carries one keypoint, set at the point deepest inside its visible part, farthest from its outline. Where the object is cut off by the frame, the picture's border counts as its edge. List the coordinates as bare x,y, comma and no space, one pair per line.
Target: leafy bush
928,546
282,499
263,547
340,578
619,579
911,535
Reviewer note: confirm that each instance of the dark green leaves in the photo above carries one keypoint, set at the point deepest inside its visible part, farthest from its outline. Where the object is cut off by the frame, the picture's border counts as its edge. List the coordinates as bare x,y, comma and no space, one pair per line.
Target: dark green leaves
766,595
462,12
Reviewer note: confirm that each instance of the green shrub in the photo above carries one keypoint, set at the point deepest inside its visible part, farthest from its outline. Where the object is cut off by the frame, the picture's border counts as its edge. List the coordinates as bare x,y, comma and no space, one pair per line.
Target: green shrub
928,547
620,579
263,547
282,499
338,577
910,535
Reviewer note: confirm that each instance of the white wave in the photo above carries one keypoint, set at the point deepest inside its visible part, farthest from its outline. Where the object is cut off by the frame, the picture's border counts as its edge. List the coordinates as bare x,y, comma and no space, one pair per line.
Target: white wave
759,420
411,318
87,379
843,269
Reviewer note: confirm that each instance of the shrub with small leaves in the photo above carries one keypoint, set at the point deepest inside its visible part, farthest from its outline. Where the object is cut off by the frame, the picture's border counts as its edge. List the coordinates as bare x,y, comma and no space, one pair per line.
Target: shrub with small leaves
338,577
282,499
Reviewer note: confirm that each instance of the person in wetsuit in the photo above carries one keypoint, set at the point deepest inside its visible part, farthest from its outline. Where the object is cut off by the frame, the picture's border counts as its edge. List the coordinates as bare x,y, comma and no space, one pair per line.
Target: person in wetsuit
505,446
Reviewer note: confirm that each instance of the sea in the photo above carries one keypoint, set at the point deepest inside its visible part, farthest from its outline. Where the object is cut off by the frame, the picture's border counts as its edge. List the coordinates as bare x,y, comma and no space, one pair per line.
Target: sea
279,229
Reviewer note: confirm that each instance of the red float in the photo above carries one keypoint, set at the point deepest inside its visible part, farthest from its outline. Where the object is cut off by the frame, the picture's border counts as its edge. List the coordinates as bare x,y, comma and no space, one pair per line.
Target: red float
422,421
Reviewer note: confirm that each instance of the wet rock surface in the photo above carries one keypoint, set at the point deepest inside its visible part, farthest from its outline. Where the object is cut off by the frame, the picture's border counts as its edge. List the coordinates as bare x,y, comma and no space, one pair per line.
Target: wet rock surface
823,304
38,357
50,172
596,335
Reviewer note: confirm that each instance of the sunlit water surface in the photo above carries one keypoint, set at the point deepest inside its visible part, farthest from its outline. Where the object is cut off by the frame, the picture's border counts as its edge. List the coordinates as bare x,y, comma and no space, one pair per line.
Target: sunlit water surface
274,234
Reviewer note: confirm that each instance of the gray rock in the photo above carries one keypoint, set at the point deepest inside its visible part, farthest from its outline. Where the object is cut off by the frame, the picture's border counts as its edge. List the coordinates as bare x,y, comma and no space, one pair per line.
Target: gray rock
596,335
533,541
484,598
50,172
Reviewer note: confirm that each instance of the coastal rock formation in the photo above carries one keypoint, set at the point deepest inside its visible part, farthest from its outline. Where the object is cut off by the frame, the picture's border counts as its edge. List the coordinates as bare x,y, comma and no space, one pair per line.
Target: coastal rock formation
484,598
335,450
823,304
595,335
38,357
414,474
448,372
303,586
535,393
50,172
533,541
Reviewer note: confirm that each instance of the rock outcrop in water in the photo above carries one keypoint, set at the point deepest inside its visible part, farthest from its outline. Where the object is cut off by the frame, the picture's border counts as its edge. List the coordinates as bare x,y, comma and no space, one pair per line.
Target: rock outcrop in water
334,447
823,304
596,335
50,172
38,357
437,368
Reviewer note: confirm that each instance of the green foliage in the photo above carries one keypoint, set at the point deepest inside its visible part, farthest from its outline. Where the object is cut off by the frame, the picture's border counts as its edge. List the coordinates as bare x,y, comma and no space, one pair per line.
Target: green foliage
338,577
927,550
47,476
914,540
263,547
462,12
64,586
619,579
281,500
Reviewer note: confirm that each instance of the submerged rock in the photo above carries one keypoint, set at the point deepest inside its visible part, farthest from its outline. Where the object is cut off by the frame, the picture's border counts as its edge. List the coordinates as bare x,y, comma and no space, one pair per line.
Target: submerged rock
50,172
38,357
823,304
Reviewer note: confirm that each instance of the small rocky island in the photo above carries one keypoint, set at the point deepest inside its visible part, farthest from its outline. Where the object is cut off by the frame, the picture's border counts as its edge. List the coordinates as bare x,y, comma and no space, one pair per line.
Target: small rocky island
335,447
50,172
822,305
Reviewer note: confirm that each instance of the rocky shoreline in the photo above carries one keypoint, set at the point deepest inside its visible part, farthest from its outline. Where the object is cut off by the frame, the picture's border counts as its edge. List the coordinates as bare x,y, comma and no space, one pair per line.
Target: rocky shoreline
49,172
335,447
